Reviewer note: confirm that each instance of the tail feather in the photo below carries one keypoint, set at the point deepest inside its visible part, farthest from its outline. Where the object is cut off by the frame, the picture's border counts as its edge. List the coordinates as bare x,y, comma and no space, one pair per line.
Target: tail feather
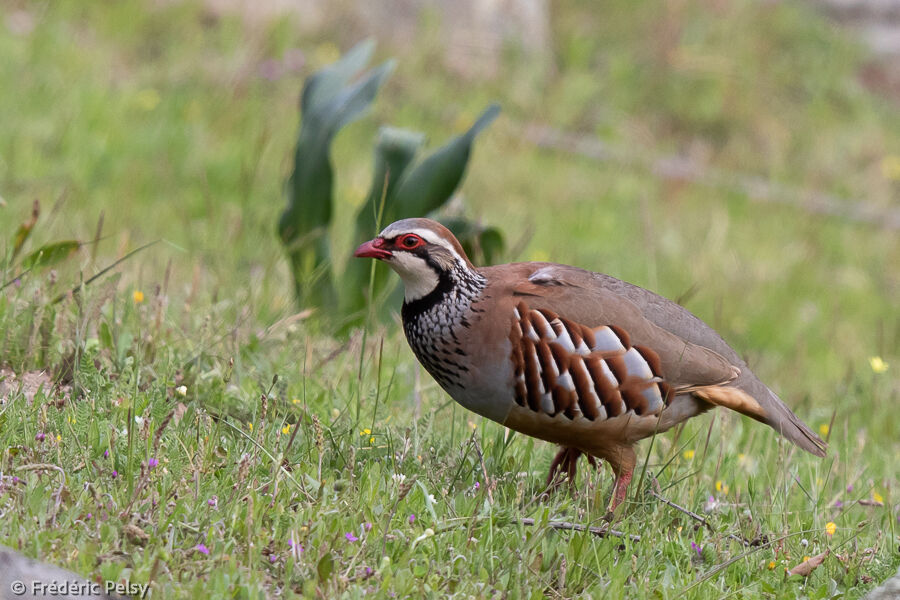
785,422
778,416
766,408
679,321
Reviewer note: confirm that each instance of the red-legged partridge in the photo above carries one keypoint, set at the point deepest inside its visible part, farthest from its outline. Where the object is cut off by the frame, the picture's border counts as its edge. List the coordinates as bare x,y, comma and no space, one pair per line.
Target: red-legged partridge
565,355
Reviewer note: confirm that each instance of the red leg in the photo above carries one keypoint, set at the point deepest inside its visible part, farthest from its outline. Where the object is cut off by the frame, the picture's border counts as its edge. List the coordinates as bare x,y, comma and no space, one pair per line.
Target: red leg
624,470
620,490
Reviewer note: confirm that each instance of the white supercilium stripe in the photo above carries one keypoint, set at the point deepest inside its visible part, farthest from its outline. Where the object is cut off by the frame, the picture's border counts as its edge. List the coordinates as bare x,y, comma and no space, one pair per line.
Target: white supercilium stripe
429,236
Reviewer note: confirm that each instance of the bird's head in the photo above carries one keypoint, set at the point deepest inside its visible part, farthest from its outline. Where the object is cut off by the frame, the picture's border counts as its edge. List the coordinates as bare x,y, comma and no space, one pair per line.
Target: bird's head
421,251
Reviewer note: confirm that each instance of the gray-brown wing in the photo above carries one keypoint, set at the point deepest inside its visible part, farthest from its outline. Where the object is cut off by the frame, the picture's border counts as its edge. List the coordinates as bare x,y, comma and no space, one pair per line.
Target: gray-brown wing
691,352
683,364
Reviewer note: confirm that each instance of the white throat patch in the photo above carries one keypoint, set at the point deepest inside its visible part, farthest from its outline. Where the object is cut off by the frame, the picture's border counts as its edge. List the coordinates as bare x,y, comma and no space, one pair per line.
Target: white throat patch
418,277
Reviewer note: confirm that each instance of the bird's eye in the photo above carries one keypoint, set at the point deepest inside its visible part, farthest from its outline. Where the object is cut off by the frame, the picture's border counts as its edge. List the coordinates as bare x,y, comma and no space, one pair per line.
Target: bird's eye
410,241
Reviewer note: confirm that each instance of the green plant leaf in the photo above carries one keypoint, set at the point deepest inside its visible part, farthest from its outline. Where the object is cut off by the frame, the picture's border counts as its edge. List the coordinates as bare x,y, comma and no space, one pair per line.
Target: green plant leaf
25,229
492,245
325,83
431,183
50,254
310,185
395,149
331,98
354,101
325,567
483,245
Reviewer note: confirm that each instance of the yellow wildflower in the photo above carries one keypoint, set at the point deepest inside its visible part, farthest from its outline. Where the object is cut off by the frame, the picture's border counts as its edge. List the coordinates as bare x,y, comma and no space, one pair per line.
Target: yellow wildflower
147,99
539,256
830,527
326,53
721,487
286,429
366,431
771,564
250,426
824,429
877,497
58,438
890,167
473,425
372,440
878,365
688,455
295,401
138,296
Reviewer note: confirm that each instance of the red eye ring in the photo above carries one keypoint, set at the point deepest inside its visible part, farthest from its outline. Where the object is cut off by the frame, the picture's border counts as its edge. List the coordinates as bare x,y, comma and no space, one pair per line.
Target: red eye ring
410,241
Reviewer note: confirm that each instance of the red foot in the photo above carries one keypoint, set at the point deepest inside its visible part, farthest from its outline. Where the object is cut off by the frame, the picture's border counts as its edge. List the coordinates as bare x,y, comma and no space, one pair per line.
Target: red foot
620,490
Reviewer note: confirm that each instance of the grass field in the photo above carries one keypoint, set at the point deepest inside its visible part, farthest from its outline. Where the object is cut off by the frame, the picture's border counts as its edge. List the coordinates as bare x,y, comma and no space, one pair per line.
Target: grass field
185,423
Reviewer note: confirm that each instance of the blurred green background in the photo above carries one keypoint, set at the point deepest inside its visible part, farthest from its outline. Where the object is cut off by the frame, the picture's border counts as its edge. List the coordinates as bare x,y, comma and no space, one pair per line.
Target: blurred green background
740,157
